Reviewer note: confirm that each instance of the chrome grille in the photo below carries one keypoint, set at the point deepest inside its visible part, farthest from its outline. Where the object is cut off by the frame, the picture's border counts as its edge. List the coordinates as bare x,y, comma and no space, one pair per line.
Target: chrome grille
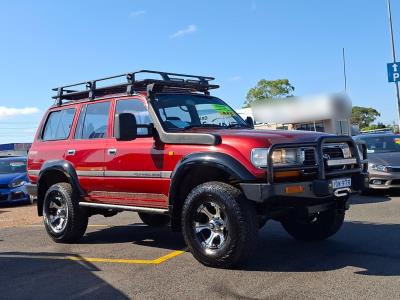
309,157
332,152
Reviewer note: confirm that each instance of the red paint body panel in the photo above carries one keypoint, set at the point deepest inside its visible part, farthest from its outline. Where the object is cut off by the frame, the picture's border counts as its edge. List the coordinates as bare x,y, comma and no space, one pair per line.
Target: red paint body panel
142,155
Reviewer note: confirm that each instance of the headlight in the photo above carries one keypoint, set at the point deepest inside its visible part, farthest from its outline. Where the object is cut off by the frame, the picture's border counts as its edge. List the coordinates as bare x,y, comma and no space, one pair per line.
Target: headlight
346,151
259,157
286,156
376,167
17,183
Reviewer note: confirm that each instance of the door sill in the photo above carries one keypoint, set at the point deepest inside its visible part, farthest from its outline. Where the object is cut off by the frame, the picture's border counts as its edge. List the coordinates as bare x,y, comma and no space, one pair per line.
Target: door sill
125,207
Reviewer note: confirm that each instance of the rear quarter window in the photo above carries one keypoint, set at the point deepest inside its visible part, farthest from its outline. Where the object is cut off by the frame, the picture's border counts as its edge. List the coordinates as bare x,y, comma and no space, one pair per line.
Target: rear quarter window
58,125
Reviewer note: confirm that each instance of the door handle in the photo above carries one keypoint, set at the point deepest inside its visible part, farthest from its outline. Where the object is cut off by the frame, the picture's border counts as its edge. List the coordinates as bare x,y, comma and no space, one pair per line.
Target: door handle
71,152
112,151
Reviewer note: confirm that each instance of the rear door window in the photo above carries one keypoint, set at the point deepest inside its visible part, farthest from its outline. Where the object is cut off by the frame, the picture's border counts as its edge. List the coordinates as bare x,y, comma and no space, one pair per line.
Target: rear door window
58,125
93,121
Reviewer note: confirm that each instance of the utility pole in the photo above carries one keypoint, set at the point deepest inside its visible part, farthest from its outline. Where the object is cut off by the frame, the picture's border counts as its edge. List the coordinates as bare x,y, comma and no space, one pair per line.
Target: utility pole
344,70
394,55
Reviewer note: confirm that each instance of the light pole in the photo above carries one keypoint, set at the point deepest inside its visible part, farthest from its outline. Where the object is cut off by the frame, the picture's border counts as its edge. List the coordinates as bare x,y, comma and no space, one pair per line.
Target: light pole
394,55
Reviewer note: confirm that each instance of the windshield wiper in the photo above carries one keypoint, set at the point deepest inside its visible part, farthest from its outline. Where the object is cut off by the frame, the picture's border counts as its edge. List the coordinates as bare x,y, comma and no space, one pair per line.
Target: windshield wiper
203,126
237,125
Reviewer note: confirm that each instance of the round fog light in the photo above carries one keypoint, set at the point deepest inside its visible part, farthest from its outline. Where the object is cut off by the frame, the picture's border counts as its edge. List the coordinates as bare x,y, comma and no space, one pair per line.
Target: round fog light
377,182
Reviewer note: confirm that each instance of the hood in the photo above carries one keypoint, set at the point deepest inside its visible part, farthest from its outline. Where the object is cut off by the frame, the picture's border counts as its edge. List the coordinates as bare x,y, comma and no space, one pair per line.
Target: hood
386,159
266,137
8,178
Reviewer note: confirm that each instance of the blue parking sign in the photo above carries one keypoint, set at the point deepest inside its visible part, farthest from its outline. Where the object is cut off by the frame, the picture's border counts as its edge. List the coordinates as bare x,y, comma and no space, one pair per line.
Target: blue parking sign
393,72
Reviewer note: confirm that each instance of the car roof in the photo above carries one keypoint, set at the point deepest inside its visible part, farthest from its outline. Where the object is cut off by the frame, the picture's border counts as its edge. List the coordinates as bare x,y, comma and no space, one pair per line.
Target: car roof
360,136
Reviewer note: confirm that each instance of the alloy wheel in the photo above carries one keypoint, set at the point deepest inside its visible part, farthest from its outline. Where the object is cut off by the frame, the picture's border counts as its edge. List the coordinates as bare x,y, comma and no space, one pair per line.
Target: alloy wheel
56,212
210,226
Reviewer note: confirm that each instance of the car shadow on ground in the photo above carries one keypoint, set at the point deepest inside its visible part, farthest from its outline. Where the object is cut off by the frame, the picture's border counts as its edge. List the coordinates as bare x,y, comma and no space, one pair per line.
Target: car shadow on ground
138,234
38,275
16,204
373,249
375,196
371,197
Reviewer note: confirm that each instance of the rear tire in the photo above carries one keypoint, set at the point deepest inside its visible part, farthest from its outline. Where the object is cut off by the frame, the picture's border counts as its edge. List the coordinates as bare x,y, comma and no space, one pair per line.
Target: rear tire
64,220
315,228
219,225
154,220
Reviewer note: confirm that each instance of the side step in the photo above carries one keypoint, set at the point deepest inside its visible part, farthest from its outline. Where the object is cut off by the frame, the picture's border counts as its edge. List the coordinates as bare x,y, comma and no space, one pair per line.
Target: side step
150,210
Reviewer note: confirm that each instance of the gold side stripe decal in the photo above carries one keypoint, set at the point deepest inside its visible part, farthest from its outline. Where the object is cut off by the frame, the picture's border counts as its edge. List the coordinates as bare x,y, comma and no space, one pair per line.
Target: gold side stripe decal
132,174
148,174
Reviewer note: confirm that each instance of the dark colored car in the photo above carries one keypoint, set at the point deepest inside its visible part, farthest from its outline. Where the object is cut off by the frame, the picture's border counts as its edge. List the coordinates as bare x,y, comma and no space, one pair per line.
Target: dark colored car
170,151
383,159
13,180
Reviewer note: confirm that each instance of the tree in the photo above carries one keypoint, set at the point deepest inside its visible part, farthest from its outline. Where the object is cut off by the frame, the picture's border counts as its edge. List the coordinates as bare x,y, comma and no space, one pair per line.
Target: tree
266,90
376,126
363,116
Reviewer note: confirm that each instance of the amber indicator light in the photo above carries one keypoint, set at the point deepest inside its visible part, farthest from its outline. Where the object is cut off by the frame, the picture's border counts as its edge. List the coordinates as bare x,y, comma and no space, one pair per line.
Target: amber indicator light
294,189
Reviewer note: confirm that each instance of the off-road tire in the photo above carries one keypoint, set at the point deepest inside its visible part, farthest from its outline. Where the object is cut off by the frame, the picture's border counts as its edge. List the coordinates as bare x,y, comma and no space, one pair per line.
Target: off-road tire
77,219
242,224
154,220
324,225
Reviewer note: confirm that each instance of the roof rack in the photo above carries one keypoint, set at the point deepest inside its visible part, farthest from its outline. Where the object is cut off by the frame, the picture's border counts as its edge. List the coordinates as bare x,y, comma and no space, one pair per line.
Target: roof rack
377,131
167,82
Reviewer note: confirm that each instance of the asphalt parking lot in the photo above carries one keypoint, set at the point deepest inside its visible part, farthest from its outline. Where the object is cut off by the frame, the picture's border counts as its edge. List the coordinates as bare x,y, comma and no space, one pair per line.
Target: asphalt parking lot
120,257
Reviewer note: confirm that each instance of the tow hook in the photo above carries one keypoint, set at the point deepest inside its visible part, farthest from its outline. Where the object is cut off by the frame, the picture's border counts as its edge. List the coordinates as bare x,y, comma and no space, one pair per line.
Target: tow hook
342,192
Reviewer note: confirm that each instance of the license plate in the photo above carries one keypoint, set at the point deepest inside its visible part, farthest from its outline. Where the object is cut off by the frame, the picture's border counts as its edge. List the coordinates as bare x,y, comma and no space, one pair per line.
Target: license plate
341,183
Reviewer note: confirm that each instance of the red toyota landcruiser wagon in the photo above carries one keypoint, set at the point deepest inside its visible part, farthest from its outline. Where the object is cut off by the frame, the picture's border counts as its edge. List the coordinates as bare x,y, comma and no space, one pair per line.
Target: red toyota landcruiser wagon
168,150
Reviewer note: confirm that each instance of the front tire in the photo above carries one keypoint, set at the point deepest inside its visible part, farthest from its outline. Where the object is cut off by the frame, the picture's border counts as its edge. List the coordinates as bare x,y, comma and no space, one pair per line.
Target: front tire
64,220
219,225
317,227
154,220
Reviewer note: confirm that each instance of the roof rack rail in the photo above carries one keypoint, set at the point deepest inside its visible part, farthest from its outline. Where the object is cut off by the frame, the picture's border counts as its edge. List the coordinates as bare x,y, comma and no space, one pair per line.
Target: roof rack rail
167,82
379,130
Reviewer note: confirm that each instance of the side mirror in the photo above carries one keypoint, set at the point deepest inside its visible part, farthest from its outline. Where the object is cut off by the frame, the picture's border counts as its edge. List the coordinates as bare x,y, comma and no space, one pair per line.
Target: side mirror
125,127
250,122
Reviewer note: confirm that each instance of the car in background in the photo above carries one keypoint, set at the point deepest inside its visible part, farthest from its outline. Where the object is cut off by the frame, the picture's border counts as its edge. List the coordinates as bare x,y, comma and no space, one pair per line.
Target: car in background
13,178
383,159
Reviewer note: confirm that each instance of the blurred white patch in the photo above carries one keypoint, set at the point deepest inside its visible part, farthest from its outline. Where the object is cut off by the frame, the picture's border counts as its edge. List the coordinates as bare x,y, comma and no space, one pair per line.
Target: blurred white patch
303,109
137,13
180,33
235,78
12,112
29,130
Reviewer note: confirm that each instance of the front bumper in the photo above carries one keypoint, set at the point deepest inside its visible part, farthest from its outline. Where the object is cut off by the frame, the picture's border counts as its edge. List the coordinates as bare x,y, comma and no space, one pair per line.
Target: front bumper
384,180
14,195
316,189
32,189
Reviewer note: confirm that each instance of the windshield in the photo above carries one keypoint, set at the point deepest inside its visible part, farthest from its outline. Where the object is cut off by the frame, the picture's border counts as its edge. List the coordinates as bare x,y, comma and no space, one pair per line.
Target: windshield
12,166
382,144
179,112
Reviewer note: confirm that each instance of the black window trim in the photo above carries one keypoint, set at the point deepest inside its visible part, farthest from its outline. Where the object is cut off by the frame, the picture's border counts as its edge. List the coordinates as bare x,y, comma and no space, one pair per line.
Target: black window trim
47,119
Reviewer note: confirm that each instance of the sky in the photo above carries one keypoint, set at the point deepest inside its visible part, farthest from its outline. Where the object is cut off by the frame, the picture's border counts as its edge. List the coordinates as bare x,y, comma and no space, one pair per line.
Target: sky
45,44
